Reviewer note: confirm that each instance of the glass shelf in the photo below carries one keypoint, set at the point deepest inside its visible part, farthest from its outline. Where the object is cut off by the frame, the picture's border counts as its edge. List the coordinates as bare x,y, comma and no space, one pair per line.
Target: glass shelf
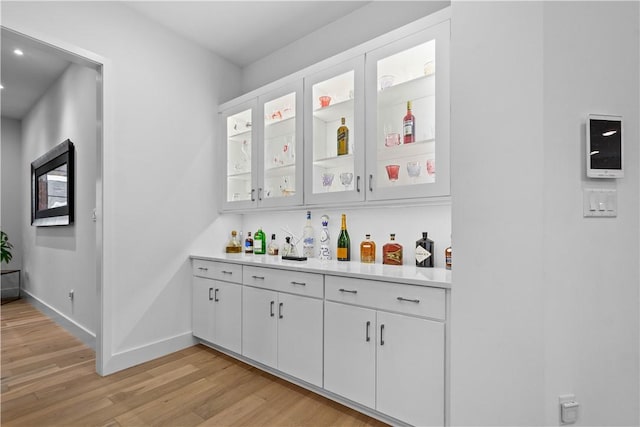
334,111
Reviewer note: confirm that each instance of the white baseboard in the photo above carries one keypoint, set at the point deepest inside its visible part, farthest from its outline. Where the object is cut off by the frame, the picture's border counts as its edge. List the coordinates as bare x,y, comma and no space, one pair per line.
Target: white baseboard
74,328
135,356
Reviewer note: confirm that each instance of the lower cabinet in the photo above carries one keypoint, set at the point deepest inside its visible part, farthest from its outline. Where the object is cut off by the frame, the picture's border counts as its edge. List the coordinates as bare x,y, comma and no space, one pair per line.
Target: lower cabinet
283,331
216,312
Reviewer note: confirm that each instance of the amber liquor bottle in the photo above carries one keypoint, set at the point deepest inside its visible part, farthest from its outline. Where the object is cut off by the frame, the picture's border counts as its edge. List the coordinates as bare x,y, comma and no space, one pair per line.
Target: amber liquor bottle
343,138
424,251
368,250
248,244
392,252
409,126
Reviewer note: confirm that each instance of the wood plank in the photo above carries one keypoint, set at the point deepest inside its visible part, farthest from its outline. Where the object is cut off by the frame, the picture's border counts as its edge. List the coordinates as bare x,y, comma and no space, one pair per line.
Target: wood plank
48,376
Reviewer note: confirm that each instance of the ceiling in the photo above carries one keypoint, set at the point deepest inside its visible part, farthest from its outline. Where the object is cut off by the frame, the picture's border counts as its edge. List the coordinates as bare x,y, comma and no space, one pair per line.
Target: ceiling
239,31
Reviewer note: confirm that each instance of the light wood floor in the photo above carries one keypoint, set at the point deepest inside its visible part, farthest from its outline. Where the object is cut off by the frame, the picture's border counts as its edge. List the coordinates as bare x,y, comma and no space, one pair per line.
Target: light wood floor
49,379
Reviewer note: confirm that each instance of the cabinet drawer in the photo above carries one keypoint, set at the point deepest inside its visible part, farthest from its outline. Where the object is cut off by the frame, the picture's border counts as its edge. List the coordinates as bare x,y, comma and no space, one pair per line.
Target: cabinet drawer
217,270
293,282
407,299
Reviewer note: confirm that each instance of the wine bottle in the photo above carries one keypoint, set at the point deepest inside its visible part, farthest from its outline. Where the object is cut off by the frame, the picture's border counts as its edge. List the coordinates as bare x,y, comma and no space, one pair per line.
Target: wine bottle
325,245
248,244
344,244
259,243
424,251
447,257
409,126
273,248
343,138
308,238
368,250
392,252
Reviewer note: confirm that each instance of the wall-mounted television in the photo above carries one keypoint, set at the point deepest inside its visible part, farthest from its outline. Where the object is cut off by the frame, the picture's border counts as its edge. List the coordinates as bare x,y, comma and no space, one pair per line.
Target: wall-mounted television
605,149
52,186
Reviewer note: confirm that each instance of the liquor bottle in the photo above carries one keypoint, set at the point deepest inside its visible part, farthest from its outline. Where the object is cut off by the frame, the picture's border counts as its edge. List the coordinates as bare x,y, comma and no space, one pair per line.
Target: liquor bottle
325,241
343,139
409,125
273,246
259,243
289,249
424,251
233,246
392,252
368,250
308,238
344,244
447,257
248,244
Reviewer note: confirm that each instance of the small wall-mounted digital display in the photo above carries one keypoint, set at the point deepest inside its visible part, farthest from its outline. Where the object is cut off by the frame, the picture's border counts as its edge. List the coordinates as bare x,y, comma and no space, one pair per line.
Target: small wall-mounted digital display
604,147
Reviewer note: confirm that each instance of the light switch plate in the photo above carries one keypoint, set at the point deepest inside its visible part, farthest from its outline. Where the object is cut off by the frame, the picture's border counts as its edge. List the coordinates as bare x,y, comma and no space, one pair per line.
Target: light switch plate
598,202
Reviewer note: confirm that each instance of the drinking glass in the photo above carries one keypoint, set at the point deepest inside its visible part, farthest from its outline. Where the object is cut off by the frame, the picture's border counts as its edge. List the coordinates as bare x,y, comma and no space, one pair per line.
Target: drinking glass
327,180
392,172
431,167
346,178
414,169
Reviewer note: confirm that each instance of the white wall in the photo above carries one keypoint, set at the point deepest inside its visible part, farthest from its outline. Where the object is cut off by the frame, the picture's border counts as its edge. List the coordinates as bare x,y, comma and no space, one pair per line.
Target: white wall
591,281
545,301
373,19
160,192
59,259
12,179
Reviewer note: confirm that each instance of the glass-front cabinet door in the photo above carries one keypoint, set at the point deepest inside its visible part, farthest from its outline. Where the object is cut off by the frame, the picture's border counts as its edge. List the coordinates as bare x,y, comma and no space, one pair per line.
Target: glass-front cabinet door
239,179
280,156
407,85
334,134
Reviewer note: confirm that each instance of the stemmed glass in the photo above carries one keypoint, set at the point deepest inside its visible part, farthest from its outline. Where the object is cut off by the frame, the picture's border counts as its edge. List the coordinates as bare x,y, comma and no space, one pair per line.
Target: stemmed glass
346,178
327,180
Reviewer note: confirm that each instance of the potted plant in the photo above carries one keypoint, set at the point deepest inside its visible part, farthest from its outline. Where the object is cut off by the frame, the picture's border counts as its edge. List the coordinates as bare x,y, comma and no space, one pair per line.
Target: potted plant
5,254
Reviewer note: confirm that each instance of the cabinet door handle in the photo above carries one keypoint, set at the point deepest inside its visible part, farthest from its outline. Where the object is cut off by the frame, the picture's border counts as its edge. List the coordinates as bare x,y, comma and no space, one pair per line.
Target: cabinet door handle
203,269
371,183
351,291
299,283
258,277
271,309
358,183
227,272
259,193
210,296
381,334
417,301
280,310
367,329
215,295
253,194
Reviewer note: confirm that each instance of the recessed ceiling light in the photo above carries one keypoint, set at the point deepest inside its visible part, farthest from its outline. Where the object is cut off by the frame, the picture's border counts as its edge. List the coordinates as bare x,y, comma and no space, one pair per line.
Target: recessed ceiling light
18,52
1,87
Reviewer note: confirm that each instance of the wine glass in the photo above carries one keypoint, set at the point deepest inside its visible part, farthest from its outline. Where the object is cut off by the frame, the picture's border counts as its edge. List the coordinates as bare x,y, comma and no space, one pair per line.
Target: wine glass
327,180
346,178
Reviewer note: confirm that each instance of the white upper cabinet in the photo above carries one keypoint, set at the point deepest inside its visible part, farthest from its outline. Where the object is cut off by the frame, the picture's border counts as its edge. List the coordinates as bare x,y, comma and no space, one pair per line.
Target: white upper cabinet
335,173
408,149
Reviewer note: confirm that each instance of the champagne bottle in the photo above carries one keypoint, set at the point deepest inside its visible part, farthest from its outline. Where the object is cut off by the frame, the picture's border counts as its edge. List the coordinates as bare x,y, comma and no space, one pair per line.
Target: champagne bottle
343,139
325,248
259,243
344,244
424,251
392,252
368,250
308,238
409,126
248,244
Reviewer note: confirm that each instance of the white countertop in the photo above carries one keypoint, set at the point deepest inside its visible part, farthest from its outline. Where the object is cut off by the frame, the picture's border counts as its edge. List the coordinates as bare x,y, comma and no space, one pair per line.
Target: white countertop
406,274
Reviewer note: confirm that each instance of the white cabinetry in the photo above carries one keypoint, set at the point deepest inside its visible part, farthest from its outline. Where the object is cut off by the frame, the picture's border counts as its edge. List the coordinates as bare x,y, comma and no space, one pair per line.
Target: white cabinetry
282,321
386,357
216,305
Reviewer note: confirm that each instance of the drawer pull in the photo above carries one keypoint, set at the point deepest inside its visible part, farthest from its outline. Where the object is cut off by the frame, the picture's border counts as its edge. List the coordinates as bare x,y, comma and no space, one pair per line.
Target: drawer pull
280,310
350,291
271,308
227,272
299,283
367,329
258,277
215,295
210,297
417,301
203,269
381,334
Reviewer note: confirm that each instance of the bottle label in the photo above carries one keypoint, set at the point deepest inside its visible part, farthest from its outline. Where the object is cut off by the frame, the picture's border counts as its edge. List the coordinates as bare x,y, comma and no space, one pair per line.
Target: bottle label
408,127
422,254
342,253
325,252
257,244
394,258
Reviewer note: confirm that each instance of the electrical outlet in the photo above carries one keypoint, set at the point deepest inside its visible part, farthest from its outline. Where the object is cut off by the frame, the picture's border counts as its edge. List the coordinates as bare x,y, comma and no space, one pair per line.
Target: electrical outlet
568,409
71,294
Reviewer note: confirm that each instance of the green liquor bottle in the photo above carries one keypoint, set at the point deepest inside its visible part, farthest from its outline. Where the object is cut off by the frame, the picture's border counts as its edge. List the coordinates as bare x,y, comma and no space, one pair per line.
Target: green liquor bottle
259,243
